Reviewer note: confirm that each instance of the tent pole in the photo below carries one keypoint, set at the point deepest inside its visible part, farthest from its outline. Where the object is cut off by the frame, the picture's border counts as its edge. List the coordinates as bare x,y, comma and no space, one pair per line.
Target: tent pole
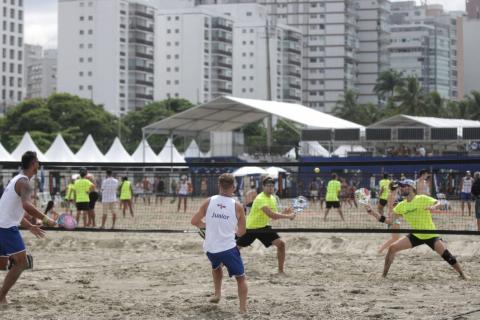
143,145
171,151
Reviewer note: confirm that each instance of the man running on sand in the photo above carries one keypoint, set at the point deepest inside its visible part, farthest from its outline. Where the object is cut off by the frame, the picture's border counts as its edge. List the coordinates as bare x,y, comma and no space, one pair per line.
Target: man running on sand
223,218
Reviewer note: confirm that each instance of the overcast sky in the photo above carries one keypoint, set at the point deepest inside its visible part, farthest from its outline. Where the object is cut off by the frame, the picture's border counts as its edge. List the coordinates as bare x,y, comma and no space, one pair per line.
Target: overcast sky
41,19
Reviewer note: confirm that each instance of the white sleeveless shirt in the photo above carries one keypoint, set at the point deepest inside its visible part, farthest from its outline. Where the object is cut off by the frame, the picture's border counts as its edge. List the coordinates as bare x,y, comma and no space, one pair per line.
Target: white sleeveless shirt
11,209
467,185
221,223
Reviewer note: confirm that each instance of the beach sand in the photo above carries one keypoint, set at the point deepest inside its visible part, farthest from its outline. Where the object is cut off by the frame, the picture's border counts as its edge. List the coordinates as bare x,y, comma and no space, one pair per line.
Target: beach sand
80,275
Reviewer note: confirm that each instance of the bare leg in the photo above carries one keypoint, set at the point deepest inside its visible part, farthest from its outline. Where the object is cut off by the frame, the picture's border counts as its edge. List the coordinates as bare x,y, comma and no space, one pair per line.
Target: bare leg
341,214
326,214
402,244
217,284
129,202
3,263
280,254
463,207
13,274
393,239
440,249
242,293
104,219
185,204
114,219
78,216
469,208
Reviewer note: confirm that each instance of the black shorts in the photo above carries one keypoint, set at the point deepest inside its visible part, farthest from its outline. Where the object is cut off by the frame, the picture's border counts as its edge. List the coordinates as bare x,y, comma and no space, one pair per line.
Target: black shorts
417,241
93,199
382,202
83,206
266,237
332,204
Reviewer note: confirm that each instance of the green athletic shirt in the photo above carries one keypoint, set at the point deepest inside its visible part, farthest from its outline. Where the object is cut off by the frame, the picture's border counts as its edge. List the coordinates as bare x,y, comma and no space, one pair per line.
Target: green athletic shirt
416,214
257,218
69,193
82,188
384,183
333,187
125,190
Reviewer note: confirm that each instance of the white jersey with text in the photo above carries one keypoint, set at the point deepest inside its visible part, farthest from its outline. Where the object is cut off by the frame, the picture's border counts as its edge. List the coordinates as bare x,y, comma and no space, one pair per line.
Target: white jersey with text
467,184
11,209
221,222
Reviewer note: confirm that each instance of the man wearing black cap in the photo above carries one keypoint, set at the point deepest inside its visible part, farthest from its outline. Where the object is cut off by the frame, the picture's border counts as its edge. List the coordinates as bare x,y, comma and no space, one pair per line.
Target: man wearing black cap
416,210
263,209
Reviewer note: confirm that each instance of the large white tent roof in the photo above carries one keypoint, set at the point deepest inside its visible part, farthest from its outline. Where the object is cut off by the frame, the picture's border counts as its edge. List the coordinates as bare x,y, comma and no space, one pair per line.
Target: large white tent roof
313,148
229,113
5,155
403,120
89,152
59,151
150,156
27,144
170,154
117,152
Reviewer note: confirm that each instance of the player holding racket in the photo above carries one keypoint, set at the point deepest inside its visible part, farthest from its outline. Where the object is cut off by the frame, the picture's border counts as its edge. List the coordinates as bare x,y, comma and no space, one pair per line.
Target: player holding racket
416,210
263,209
222,216
14,202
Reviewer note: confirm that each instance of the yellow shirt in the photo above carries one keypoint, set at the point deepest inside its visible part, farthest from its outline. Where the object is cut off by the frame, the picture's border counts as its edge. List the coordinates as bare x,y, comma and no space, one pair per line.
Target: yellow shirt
333,188
257,218
126,191
416,214
384,183
82,188
69,195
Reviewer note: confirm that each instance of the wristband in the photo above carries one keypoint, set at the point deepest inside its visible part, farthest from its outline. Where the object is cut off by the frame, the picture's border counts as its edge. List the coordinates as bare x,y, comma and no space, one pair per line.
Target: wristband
382,219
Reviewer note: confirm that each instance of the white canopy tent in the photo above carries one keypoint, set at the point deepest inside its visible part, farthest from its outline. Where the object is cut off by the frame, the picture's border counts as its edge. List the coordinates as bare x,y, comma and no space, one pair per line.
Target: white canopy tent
117,153
274,171
144,153
343,150
229,113
249,170
27,144
170,154
290,154
89,152
60,152
403,120
193,151
5,155
313,148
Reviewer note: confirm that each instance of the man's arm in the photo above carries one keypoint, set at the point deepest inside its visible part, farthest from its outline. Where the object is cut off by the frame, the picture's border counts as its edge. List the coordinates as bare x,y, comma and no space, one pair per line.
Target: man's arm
197,219
241,224
34,229
24,190
380,218
286,214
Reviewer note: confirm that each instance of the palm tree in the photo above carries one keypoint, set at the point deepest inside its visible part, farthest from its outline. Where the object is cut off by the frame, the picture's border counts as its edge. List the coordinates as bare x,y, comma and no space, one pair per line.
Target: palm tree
347,108
474,105
410,97
387,81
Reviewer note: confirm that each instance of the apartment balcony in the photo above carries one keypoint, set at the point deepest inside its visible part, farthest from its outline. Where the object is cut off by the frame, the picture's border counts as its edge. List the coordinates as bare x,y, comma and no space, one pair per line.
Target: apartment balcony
294,50
144,55
294,62
291,37
222,64
143,96
221,38
147,28
221,24
294,85
141,41
291,94
144,14
143,83
222,76
148,69
222,51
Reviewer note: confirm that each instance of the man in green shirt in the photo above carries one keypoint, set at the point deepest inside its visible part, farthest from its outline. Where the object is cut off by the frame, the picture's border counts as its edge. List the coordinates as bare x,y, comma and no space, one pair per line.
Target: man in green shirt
383,193
81,191
331,199
263,209
416,210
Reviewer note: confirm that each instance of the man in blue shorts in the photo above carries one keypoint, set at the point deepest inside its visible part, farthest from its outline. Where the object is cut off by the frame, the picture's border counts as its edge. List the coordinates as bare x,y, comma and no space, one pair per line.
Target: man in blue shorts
223,217
14,202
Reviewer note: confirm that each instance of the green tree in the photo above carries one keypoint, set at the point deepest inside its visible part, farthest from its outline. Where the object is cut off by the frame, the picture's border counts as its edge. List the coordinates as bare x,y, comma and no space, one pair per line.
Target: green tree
285,136
347,107
134,121
255,135
410,98
386,83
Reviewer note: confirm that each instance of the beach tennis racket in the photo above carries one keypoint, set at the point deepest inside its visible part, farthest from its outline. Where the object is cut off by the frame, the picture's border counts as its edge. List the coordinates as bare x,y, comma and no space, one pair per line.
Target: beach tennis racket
362,196
201,232
299,204
67,221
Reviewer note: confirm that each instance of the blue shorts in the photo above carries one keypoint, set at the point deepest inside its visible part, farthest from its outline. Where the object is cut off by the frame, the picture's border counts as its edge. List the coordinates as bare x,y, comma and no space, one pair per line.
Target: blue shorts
465,196
11,242
231,259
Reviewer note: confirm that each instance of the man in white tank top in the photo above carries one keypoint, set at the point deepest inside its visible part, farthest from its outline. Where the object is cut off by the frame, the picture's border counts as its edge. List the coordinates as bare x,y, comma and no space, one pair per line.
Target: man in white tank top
423,184
223,217
14,202
466,192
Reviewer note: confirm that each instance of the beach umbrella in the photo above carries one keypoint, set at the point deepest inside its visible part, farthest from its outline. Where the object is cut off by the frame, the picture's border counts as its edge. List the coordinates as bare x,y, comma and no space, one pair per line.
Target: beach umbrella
249,171
274,171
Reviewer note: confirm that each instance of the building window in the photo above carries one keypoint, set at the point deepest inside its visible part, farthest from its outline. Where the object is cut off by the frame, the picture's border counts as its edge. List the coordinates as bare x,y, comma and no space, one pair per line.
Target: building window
82,18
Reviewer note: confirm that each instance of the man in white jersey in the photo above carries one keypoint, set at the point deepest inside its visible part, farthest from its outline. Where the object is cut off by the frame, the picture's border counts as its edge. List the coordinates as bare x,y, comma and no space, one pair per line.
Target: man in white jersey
466,192
109,198
224,217
15,201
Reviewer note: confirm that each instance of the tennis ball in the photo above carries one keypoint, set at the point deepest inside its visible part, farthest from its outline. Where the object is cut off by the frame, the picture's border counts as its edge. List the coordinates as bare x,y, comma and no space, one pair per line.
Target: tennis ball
317,170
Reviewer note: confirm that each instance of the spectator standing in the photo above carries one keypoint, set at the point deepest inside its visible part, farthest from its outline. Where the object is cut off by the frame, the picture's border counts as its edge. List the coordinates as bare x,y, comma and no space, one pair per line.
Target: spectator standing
466,192
109,198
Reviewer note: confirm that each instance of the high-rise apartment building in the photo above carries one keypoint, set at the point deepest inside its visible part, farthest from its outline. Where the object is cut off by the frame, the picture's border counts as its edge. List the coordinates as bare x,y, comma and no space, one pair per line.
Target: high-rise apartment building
473,9
424,45
266,55
11,56
106,52
40,71
194,55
